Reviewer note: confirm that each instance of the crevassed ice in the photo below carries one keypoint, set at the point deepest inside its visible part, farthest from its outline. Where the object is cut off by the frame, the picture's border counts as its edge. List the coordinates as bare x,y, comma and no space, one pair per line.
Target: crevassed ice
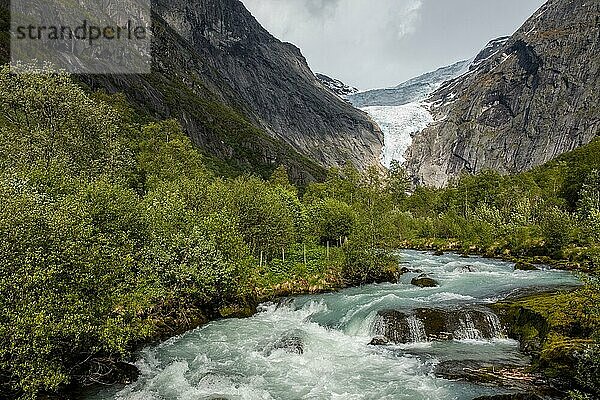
399,124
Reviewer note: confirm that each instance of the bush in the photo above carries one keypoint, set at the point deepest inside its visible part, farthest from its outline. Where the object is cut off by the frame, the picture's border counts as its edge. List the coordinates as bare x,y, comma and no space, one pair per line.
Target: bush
333,221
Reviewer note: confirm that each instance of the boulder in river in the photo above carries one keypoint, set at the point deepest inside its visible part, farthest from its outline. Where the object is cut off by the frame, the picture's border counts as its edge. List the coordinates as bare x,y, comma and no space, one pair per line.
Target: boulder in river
467,268
291,342
525,266
515,377
424,281
429,324
379,341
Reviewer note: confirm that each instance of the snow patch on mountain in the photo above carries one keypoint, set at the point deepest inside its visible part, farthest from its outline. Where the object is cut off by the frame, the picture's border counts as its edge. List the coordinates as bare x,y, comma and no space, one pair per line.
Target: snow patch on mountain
411,91
399,124
401,111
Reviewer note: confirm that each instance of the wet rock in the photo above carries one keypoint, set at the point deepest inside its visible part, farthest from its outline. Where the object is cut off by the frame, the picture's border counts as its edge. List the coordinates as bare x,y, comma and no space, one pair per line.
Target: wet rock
428,324
525,266
424,281
438,253
107,371
291,342
393,326
406,270
379,341
467,268
285,302
497,375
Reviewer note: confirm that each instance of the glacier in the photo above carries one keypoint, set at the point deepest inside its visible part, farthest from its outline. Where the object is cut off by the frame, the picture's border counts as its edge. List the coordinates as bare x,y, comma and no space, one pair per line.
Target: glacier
399,124
402,111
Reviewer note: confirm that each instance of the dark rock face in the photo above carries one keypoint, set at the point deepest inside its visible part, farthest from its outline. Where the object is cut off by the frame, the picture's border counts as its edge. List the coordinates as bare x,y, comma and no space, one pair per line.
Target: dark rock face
242,95
436,324
336,86
536,97
492,49
424,282
272,82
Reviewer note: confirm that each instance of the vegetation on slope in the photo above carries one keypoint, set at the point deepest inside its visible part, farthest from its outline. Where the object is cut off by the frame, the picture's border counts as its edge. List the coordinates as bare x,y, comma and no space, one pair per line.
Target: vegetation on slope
114,232
117,231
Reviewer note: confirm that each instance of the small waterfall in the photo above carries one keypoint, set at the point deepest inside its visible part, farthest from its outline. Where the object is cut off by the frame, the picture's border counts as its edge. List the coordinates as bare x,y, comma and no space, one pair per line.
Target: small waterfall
467,329
416,329
496,329
478,324
378,326
399,328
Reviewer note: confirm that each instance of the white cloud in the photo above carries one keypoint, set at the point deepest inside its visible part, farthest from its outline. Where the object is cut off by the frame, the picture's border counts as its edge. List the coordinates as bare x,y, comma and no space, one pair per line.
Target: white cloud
346,38
377,43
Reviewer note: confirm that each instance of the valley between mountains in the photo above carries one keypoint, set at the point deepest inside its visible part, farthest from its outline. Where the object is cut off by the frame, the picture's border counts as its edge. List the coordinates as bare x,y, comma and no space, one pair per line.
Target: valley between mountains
234,226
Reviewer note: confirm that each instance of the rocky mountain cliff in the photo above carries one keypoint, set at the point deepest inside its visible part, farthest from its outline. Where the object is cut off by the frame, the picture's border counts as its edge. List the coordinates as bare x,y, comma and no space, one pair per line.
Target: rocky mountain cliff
272,80
335,85
536,97
241,94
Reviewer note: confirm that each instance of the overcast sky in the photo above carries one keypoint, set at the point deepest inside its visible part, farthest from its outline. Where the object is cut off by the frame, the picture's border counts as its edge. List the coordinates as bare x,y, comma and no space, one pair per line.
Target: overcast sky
381,43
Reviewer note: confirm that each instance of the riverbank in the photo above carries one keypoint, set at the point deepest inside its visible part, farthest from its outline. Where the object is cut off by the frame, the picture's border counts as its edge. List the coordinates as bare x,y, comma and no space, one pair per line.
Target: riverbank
106,369
556,337
555,329
296,346
573,259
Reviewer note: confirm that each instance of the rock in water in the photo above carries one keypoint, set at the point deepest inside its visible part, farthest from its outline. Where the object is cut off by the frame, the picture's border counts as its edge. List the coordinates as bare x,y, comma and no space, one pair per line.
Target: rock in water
525,266
508,376
424,282
291,342
432,324
379,341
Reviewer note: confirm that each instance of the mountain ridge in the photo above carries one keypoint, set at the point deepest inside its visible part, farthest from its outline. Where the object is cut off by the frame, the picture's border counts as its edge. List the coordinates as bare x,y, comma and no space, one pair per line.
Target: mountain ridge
412,90
533,100
242,95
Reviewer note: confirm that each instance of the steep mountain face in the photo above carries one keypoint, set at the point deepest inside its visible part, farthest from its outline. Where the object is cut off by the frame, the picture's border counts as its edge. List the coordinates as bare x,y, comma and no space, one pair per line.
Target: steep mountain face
336,86
273,81
242,95
416,89
534,98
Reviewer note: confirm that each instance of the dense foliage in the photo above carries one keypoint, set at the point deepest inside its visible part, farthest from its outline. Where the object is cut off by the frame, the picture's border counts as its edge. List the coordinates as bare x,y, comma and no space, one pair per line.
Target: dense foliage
115,230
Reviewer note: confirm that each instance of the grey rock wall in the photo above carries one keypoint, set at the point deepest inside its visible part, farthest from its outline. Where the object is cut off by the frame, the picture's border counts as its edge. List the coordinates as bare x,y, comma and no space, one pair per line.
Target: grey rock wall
536,98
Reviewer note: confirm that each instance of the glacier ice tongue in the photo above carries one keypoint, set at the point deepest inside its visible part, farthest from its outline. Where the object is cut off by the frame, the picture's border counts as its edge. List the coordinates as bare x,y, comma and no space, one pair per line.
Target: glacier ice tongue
399,124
